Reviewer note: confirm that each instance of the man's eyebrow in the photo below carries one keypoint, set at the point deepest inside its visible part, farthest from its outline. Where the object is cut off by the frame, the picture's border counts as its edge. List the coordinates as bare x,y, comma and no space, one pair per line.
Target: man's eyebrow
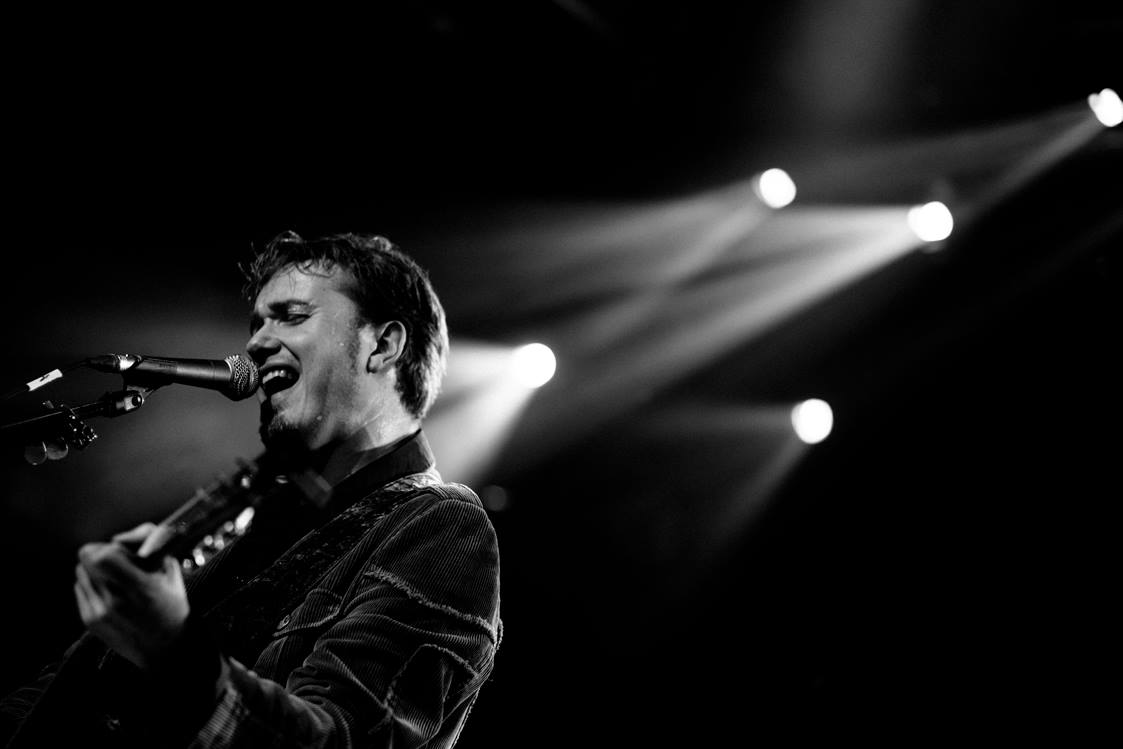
279,306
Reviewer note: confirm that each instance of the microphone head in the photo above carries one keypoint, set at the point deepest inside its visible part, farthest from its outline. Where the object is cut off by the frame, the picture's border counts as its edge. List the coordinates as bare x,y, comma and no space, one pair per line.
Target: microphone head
244,377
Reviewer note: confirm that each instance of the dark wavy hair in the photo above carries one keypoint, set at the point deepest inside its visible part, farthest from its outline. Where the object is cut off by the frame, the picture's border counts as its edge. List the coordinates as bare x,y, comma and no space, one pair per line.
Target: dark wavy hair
386,284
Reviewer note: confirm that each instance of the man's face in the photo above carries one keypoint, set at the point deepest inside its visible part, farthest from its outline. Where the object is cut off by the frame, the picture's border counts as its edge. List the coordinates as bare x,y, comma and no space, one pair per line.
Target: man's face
306,340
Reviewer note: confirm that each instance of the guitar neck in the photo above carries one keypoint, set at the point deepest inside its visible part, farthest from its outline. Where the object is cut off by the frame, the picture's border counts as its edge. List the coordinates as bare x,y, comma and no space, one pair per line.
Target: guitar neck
211,509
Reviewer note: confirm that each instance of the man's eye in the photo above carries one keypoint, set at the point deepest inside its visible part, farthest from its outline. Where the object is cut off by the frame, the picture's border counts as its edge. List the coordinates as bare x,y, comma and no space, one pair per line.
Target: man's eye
294,317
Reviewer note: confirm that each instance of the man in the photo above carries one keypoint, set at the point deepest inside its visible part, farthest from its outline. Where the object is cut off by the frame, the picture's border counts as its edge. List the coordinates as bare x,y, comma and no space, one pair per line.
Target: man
370,618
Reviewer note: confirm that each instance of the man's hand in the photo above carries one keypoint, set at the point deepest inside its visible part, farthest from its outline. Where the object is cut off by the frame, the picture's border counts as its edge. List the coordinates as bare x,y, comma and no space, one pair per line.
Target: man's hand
138,613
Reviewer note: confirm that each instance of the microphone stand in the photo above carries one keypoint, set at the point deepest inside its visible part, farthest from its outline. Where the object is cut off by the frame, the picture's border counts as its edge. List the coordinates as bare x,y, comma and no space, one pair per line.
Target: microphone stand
50,435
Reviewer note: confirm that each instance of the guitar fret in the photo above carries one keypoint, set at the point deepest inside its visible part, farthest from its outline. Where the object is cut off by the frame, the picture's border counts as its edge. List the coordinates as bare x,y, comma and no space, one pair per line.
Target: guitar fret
215,542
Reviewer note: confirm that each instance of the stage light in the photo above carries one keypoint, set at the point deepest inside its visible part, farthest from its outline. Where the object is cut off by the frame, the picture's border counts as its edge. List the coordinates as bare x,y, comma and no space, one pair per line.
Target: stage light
812,420
775,188
1107,107
534,364
495,498
931,222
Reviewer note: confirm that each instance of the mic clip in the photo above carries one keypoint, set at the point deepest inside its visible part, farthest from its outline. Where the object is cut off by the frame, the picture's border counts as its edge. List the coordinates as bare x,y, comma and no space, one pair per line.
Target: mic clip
124,401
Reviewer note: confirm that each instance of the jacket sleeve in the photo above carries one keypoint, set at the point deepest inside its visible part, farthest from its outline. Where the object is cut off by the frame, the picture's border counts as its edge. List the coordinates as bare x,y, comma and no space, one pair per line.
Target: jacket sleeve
399,662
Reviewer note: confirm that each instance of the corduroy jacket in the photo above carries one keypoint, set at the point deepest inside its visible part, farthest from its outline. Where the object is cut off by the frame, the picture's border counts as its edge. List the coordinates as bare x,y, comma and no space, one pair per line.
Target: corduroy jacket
372,624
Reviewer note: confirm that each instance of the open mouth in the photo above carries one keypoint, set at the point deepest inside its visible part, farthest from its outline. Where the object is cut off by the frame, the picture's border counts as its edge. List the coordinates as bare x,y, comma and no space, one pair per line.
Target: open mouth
277,379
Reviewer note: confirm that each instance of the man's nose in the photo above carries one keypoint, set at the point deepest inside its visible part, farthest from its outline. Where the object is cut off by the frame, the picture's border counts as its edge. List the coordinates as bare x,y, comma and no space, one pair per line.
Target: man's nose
261,344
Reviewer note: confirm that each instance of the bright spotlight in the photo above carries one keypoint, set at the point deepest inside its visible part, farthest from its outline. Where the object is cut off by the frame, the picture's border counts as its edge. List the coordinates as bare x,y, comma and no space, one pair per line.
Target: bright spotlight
534,364
1107,107
812,420
775,188
932,222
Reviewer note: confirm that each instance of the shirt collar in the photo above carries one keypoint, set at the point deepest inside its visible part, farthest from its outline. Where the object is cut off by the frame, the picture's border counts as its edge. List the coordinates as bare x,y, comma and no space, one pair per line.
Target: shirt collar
409,455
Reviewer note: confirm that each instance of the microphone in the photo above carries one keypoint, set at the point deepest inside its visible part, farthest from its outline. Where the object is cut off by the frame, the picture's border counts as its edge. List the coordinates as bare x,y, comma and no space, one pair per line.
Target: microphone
236,377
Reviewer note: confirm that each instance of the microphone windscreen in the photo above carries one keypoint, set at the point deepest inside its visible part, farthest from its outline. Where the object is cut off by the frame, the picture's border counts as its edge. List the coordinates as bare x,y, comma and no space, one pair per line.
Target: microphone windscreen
244,377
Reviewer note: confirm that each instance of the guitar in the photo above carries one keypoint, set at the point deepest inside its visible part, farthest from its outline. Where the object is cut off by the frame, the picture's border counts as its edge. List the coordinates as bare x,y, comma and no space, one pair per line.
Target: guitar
192,534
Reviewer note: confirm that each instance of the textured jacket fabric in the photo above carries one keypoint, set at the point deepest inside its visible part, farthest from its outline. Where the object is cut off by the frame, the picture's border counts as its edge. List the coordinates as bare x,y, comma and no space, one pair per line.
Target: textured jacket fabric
371,623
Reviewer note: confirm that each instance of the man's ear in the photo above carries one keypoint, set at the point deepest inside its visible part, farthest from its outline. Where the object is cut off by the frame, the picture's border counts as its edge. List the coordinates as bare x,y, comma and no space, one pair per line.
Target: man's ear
389,346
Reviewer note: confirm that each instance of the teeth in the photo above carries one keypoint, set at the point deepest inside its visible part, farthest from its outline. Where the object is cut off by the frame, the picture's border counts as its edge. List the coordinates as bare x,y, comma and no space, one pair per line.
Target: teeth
274,374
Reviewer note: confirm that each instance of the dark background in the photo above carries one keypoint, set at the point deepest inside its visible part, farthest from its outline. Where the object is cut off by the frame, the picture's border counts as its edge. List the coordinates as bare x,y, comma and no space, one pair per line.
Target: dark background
943,561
